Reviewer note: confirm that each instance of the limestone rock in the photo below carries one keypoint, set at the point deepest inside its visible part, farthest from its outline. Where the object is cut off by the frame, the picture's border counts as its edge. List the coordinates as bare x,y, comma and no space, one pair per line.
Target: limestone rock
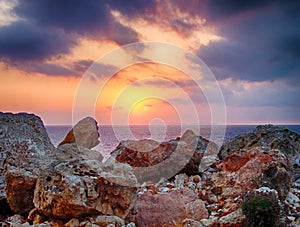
244,171
104,221
169,209
74,222
76,188
69,152
24,143
152,160
266,137
235,219
84,133
192,223
20,188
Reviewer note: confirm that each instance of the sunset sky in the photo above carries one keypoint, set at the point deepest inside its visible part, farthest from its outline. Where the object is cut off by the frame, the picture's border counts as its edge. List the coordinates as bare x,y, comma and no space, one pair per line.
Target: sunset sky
251,47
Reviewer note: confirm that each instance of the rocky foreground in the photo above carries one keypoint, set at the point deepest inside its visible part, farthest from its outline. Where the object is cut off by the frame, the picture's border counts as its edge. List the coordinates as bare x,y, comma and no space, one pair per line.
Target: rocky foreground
252,180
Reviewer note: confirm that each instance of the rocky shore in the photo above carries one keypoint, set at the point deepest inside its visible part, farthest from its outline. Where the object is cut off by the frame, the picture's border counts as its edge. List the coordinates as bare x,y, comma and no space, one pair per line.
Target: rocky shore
252,180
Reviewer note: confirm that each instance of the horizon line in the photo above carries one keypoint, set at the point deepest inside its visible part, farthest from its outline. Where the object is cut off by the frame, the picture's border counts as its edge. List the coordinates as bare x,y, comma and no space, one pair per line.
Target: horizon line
250,124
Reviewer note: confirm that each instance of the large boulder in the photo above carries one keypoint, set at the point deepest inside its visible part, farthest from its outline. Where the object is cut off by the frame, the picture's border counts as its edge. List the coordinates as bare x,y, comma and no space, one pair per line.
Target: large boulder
24,144
267,137
243,171
152,160
85,187
84,133
169,209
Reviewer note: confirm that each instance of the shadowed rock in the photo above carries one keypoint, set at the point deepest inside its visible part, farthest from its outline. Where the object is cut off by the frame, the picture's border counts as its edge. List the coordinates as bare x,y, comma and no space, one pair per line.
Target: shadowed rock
152,160
24,144
84,133
266,137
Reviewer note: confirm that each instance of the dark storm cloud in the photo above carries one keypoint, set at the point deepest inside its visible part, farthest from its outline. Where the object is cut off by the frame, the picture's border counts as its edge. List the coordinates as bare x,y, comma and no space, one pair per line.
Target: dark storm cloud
91,18
51,27
21,41
259,44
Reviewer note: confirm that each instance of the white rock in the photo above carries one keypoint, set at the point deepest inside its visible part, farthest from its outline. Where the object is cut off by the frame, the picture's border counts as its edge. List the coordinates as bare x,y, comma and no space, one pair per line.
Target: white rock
291,218
292,199
233,218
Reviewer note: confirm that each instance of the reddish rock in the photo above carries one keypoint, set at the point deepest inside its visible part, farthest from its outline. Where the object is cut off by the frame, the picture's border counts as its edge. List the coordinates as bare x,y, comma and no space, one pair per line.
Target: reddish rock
169,209
20,188
84,133
256,169
265,137
152,160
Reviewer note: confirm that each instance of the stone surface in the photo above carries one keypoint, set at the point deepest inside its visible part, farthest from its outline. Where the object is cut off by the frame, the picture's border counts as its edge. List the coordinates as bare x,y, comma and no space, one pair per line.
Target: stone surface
76,188
104,221
24,144
74,222
84,133
192,223
152,160
70,152
20,188
234,219
169,209
242,171
267,137
15,219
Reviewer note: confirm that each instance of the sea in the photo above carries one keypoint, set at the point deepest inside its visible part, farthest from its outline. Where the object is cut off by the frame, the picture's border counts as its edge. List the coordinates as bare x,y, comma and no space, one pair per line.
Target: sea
110,136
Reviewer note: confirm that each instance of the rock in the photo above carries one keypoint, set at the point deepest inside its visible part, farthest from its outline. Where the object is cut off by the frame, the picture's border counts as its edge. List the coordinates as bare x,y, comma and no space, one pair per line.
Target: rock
180,180
91,225
20,188
292,200
131,224
266,137
192,223
15,220
201,148
77,188
234,219
207,161
152,161
84,133
104,221
74,222
24,143
69,152
169,209
207,222
242,171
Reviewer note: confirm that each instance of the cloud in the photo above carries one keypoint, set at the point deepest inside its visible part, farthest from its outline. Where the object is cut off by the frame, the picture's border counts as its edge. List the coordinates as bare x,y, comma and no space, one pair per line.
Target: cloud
90,18
259,44
82,65
50,69
74,69
133,8
49,28
21,41
258,94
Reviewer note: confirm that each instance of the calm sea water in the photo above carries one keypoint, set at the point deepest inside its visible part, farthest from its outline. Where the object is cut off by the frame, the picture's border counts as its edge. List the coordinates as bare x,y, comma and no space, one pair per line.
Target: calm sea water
110,136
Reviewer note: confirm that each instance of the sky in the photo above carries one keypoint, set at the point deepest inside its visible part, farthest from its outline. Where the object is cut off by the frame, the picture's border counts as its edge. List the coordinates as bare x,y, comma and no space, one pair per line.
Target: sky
252,49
